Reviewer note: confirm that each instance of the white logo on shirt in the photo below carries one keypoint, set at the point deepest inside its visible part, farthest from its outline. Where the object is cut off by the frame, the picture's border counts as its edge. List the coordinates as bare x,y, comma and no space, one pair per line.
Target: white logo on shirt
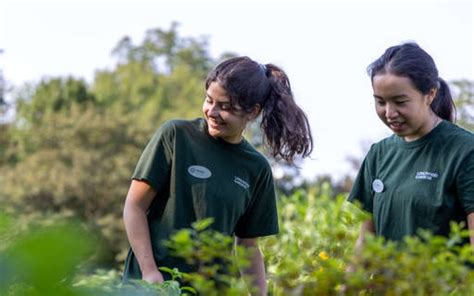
199,172
377,185
241,182
426,175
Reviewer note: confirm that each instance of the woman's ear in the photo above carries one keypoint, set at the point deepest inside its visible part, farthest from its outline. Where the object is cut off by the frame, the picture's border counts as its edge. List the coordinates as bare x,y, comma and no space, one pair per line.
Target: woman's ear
254,113
432,95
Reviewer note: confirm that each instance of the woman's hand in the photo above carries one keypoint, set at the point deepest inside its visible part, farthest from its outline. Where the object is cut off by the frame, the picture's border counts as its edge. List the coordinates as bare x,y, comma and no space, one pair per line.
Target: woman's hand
256,270
470,226
153,277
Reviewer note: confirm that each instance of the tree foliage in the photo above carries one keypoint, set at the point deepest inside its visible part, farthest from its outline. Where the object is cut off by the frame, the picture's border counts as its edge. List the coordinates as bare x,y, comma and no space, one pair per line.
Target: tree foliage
72,146
464,101
2,90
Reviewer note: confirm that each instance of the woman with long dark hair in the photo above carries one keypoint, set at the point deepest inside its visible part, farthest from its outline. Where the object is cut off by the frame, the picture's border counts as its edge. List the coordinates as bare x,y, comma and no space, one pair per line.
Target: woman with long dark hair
191,170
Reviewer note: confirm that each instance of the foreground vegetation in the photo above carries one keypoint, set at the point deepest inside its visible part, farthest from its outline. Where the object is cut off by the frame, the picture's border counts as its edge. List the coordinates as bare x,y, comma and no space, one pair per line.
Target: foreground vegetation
308,257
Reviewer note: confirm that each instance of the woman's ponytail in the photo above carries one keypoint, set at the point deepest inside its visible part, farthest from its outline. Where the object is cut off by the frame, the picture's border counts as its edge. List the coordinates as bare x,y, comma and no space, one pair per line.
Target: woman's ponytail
443,104
285,125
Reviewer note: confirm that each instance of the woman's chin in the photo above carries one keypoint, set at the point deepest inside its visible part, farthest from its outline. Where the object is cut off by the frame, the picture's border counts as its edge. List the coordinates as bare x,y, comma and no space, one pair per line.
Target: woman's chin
214,133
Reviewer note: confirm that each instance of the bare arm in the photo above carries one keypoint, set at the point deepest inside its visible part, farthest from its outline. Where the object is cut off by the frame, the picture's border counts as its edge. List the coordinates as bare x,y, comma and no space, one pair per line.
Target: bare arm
256,270
366,227
139,197
470,225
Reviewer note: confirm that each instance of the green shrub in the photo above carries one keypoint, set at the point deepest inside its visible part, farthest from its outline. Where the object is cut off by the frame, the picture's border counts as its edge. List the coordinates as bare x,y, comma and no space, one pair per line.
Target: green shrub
40,259
316,244
309,256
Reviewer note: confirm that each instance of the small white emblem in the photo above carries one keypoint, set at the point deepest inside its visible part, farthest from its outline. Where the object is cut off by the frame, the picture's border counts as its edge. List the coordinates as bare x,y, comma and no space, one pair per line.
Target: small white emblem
199,172
377,185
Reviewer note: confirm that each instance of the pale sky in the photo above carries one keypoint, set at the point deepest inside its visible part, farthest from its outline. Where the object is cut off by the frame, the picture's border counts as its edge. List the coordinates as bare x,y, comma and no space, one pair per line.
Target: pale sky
324,47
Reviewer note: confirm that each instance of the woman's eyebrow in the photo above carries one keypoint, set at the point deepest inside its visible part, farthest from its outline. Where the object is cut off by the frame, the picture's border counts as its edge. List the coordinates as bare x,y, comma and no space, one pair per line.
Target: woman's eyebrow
390,98
227,100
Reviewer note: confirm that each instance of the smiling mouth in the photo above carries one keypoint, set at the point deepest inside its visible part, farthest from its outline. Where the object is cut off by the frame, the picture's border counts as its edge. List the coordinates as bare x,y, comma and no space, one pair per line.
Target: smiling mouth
395,125
214,123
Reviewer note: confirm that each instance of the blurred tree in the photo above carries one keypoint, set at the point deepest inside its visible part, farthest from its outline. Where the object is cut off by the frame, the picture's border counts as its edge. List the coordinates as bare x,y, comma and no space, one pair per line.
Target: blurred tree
81,166
35,106
75,146
463,92
2,90
4,142
5,115
52,96
159,79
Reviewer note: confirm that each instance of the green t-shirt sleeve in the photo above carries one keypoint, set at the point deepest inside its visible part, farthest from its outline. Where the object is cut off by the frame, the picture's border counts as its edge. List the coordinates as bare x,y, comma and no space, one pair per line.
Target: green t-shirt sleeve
465,183
260,218
154,165
361,191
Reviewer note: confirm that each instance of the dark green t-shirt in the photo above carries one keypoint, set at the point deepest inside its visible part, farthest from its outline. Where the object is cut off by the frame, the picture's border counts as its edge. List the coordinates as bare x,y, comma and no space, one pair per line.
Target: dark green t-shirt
423,184
197,176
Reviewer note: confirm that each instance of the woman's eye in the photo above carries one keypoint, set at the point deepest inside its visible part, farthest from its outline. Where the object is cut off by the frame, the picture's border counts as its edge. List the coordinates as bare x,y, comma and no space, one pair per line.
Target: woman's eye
226,107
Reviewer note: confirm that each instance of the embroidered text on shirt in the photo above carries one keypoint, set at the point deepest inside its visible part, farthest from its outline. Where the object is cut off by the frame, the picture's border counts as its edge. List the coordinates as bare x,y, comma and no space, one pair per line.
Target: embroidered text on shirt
426,175
241,182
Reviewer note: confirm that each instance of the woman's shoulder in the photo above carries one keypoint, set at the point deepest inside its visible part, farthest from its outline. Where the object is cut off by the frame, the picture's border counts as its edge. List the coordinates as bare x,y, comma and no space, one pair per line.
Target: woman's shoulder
175,125
182,123
383,144
252,152
250,155
457,135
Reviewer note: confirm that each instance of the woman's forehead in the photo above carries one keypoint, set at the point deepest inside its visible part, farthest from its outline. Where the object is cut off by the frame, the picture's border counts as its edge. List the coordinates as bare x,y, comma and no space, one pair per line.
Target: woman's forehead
216,92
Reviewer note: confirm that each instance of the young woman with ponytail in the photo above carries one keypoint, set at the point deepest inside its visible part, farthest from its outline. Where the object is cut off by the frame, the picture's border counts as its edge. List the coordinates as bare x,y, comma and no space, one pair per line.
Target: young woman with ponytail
422,177
191,170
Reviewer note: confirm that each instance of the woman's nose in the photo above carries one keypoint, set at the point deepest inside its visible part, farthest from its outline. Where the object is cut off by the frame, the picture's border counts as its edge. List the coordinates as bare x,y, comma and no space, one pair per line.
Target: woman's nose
213,110
390,111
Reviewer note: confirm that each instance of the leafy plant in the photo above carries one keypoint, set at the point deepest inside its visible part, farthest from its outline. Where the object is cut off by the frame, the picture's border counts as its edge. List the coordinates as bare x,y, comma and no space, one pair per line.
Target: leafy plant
316,244
216,257
41,259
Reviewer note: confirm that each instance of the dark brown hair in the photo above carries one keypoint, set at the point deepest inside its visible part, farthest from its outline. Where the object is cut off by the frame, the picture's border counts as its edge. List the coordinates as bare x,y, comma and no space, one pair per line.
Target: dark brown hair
411,61
248,83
